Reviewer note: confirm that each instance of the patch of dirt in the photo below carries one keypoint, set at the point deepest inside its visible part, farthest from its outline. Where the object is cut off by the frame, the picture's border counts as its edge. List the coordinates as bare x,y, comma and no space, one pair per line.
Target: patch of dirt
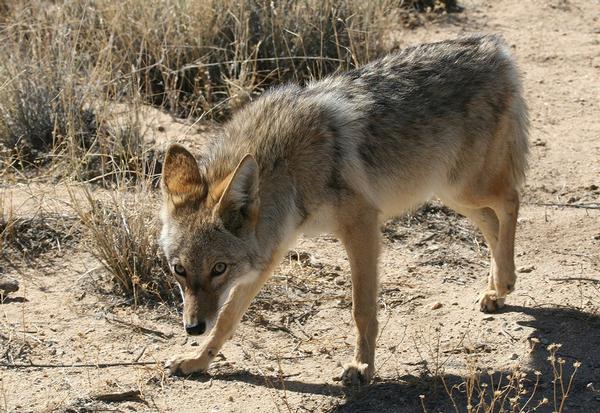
289,348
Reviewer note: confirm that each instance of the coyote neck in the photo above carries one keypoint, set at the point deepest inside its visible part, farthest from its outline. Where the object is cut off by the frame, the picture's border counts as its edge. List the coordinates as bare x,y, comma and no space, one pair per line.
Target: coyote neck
277,226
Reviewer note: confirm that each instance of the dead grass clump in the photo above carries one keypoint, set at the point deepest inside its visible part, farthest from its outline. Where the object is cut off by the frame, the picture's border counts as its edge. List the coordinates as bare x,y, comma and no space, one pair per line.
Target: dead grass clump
41,114
437,218
122,232
120,156
33,236
44,96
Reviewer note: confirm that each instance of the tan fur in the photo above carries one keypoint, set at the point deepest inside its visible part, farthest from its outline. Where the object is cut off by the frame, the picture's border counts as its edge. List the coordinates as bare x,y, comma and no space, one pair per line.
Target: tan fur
340,156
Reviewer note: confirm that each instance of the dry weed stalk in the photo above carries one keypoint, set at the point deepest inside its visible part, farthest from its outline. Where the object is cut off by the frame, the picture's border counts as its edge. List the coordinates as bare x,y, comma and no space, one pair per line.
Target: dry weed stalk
514,392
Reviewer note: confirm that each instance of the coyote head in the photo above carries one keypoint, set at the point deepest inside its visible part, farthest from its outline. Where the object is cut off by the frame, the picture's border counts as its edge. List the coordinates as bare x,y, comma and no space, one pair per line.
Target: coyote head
208,233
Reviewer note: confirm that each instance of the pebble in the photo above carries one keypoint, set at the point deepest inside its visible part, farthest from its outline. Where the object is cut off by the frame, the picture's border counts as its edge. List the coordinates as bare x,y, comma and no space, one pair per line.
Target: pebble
436,305
526,269
514,356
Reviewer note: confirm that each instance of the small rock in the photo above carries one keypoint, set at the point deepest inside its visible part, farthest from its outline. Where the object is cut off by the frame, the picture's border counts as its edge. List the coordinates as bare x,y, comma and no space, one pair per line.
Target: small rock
526,269
514,356
230,398
194,343
8,285
488,318
315,262
436,305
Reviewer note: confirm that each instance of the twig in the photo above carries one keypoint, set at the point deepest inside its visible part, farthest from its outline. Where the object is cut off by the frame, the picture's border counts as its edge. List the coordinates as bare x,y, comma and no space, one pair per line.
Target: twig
591,205
592,280
507,334
144,330
76,365
139,356
131,395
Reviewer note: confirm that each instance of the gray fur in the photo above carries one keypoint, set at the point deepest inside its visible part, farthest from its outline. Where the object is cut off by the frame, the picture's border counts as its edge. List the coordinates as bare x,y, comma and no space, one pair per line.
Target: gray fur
444,119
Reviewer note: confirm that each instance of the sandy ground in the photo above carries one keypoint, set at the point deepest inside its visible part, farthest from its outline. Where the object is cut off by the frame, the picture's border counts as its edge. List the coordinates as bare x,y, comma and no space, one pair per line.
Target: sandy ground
286,354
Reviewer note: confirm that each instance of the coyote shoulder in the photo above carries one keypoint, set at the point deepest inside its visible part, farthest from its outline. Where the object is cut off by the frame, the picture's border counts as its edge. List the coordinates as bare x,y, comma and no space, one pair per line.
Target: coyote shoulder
339,155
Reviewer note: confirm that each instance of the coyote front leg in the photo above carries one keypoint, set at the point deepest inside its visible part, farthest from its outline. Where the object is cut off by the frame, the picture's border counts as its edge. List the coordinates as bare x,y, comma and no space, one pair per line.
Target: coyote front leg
360,235
230,315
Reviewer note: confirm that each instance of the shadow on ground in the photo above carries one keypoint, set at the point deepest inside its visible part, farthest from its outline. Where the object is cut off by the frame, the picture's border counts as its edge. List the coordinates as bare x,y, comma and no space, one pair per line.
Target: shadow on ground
577,331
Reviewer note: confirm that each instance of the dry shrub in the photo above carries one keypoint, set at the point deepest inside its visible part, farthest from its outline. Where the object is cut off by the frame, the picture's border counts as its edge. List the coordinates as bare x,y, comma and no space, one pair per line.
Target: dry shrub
122,230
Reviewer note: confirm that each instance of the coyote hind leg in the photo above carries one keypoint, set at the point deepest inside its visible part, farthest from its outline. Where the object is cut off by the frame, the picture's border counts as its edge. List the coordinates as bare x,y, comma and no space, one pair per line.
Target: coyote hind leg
497,219
503,277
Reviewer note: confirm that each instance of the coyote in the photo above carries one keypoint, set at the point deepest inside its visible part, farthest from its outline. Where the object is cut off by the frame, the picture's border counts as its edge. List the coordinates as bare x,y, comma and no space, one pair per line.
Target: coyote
339,155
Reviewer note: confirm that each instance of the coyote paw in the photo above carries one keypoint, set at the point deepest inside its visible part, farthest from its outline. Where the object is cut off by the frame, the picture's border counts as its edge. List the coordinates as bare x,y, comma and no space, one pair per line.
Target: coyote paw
490,301
184,365
356,374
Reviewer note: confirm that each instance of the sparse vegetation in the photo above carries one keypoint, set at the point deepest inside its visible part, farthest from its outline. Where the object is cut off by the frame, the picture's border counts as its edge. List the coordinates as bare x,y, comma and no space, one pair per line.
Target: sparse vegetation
516,391
65,66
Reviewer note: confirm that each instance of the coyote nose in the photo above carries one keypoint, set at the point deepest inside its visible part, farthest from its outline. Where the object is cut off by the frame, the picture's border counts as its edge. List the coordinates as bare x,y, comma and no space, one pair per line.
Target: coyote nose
196,329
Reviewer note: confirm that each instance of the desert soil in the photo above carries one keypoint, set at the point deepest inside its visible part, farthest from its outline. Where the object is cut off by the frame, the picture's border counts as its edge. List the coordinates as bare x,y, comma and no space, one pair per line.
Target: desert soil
286,354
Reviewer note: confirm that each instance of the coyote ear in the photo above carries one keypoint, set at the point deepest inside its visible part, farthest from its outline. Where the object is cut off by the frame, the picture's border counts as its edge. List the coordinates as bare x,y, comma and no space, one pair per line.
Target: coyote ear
238,206
182,183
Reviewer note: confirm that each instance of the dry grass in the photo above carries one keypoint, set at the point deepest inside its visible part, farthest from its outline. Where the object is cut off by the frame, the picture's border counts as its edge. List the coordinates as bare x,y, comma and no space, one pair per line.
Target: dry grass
62,61
121,233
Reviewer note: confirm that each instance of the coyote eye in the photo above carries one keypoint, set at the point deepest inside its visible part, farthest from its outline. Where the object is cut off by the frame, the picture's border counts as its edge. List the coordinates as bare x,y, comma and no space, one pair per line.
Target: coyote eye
179,270
218,269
